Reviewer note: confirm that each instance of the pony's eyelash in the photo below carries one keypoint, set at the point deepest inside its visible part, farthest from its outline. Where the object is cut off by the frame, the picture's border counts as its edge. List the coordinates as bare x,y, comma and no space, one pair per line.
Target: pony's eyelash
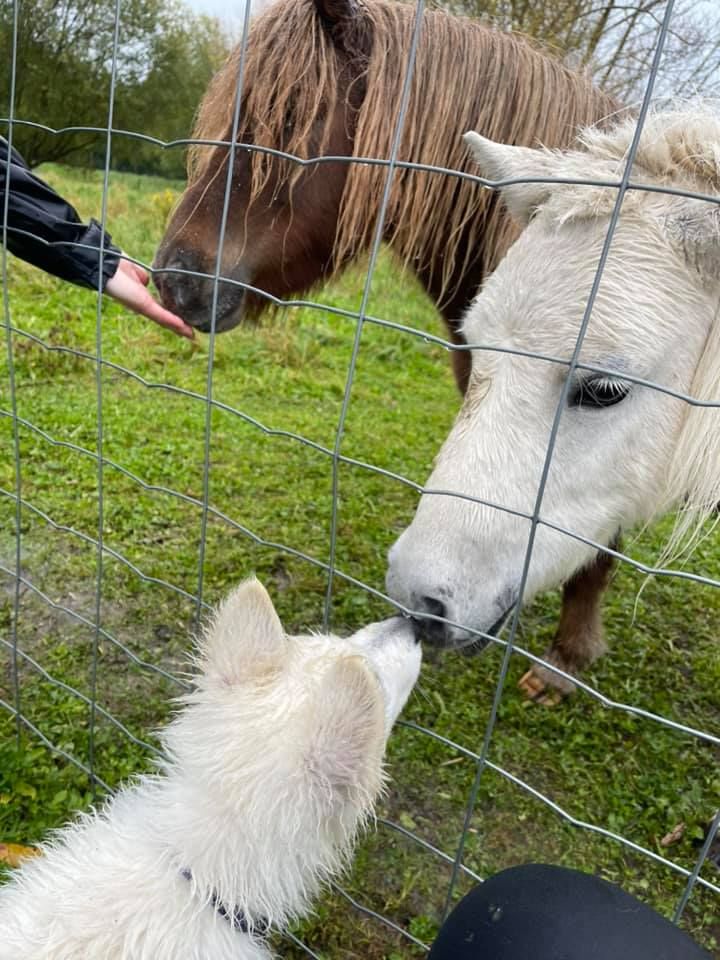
598,392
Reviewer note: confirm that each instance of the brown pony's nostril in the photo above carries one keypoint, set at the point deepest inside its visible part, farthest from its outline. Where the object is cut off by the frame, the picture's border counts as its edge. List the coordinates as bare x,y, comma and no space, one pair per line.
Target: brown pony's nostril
176,279
186,263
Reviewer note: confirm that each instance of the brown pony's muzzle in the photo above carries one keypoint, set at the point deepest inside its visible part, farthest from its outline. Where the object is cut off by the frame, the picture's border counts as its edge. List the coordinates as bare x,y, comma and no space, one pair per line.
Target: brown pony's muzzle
186,284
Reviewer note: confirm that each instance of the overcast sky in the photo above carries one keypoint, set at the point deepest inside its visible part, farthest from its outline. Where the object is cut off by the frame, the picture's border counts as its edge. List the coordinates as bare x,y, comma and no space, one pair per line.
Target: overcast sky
227,9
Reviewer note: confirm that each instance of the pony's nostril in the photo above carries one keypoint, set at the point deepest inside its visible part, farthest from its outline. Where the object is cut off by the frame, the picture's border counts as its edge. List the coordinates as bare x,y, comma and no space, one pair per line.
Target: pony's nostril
176,280
185,259
178,293
432,606
433,631
183,267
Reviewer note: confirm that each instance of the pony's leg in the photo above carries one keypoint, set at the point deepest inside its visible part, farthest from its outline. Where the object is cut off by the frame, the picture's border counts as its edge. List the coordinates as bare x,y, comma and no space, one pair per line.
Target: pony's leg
579,638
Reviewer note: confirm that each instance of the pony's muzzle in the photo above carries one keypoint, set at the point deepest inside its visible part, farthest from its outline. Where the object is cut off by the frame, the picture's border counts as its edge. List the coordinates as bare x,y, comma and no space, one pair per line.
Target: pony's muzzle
449,613
177,279
188,286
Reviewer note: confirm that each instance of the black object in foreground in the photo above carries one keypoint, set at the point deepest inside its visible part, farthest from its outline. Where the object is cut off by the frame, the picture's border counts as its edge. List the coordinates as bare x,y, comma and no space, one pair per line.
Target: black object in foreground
538,912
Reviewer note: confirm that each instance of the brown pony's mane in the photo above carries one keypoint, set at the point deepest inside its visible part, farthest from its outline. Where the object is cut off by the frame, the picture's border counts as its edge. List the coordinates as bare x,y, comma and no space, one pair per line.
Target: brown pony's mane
467,76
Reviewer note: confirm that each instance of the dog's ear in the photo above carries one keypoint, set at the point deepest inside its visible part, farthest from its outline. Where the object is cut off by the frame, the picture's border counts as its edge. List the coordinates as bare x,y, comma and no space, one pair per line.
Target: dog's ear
245,636
346,724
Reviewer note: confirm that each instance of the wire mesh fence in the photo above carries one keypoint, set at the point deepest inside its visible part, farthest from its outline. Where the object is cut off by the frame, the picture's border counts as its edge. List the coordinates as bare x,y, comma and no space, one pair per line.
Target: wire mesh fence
107,655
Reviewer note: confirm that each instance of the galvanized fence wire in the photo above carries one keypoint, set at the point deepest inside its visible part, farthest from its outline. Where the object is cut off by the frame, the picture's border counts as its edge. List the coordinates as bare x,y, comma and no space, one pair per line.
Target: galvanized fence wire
100,553
22,584
13,396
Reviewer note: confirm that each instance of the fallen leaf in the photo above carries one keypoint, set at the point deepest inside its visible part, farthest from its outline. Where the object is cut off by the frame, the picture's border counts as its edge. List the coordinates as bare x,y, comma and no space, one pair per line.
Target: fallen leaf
674,835
14,853
407,821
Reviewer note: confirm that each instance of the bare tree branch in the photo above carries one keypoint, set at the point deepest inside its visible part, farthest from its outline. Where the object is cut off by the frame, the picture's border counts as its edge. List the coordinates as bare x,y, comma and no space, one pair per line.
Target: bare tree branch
616,40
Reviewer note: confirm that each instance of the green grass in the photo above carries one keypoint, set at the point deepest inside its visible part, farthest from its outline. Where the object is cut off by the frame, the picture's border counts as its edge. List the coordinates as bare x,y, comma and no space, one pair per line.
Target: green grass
617,771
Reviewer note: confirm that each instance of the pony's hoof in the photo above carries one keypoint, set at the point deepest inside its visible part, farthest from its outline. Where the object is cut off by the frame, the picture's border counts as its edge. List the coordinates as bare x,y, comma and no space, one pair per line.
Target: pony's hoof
537,690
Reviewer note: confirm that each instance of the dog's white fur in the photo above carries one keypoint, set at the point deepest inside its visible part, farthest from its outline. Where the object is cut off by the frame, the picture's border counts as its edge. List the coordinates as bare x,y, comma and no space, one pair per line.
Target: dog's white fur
273,764
655,317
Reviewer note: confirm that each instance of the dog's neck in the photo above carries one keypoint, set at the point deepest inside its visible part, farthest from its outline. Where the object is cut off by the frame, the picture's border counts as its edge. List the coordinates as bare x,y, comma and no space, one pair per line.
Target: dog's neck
268,872
232,915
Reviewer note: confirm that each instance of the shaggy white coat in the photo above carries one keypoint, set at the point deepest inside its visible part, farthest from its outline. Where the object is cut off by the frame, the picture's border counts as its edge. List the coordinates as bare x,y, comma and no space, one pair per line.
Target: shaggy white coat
273,763
655,317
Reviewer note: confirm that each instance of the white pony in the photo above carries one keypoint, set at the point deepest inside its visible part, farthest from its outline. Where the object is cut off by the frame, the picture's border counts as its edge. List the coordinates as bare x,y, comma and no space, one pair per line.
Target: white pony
624,452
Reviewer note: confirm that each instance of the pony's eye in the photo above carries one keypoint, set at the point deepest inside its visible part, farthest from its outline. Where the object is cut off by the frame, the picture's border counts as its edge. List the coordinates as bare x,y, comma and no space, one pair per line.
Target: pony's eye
597,391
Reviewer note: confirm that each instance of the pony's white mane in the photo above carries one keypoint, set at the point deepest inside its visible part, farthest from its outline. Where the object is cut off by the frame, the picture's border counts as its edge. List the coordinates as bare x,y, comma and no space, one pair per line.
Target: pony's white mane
678,147
681,142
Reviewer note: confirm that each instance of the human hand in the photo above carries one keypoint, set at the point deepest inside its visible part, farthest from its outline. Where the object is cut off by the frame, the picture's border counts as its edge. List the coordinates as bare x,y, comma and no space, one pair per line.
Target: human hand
129,287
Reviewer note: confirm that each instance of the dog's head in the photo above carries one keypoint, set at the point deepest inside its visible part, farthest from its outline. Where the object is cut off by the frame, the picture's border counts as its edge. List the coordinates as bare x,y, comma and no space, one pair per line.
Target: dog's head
283,738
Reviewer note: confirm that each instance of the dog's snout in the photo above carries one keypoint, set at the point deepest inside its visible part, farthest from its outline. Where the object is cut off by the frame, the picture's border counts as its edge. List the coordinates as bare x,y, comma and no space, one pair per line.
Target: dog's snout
413,624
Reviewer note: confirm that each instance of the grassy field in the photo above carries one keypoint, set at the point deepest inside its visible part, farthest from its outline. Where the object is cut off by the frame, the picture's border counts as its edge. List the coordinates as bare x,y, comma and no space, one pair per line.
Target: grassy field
607,767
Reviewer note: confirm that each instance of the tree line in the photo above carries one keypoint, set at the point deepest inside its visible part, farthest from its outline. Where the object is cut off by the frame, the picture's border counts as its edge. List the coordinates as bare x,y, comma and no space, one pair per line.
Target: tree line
164,55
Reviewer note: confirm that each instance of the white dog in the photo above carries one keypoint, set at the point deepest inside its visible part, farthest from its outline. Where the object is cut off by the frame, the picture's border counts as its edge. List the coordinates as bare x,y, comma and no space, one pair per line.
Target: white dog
273,764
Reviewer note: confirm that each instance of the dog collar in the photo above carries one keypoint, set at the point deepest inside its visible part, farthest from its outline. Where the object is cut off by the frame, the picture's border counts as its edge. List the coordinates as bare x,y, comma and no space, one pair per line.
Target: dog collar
235,916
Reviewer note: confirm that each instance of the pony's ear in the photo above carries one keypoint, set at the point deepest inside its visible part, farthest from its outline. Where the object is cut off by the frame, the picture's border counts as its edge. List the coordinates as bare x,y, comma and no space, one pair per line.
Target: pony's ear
245,635
349,29
346,729
503,161
694,227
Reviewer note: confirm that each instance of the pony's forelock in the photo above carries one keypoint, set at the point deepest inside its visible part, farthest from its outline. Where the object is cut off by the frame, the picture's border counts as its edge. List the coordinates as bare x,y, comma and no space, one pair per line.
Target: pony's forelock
687,140
293,65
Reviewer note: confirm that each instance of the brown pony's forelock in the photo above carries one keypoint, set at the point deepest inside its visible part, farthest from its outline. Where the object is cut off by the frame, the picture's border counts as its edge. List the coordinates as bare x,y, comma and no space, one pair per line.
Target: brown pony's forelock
291,64
467,76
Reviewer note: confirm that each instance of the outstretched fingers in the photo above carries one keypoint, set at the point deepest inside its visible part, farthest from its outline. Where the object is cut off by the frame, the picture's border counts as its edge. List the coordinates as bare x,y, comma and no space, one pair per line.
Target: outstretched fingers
129,287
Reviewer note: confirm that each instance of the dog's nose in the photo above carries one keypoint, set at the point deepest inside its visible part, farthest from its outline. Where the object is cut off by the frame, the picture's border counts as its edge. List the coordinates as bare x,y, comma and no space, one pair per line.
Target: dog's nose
414,625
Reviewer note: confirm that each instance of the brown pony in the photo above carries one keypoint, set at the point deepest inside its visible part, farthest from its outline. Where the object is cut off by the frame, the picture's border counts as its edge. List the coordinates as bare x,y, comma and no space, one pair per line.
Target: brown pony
324,78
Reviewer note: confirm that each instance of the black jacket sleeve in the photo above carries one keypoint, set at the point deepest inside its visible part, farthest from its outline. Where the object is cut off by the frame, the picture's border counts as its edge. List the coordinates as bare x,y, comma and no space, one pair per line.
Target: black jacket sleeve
45,230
